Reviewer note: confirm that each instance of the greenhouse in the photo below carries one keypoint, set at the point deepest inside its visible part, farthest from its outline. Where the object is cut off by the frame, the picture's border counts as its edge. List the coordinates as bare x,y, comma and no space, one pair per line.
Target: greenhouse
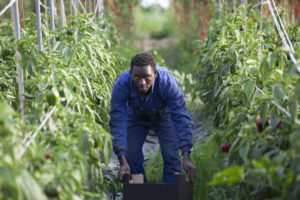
150,99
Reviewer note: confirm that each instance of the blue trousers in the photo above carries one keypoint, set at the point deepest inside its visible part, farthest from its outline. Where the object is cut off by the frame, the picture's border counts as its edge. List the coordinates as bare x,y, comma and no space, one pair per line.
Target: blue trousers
137,131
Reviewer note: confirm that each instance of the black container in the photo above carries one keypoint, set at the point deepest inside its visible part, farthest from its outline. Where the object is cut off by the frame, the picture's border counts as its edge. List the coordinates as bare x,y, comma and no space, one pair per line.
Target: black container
179,190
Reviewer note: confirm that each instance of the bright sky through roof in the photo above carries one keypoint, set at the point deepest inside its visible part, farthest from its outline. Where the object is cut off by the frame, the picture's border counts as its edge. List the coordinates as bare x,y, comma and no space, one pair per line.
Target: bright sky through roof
162,3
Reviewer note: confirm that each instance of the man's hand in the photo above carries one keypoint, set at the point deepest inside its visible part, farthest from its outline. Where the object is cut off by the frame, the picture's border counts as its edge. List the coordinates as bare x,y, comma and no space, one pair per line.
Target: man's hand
124,168
189,168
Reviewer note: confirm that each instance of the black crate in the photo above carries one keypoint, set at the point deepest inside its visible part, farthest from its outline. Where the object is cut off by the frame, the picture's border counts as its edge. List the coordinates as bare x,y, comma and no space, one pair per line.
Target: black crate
179,190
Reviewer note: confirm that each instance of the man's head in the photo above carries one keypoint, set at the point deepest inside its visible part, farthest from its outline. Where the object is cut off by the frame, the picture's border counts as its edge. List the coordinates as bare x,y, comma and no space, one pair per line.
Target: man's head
143,71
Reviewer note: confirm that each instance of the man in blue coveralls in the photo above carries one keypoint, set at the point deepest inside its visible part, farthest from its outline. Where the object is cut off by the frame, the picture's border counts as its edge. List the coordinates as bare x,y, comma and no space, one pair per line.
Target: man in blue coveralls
148,95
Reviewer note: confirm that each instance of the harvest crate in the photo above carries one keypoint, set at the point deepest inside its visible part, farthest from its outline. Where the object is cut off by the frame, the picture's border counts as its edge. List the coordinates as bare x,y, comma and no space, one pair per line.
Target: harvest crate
179,190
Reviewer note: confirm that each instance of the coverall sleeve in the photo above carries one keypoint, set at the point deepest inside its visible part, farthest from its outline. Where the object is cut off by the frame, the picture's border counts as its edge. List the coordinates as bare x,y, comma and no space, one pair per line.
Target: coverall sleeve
118,118
179,114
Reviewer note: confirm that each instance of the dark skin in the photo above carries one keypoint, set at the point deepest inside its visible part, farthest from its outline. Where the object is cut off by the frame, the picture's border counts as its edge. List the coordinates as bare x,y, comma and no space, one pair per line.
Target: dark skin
143,78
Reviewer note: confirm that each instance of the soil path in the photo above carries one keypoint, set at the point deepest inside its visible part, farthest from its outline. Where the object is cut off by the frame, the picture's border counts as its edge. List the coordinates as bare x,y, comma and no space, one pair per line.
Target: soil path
150,44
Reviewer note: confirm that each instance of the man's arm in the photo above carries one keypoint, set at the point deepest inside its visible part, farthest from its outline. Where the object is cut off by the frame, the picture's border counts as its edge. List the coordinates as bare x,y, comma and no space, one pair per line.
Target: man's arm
117,123
118,118
181,120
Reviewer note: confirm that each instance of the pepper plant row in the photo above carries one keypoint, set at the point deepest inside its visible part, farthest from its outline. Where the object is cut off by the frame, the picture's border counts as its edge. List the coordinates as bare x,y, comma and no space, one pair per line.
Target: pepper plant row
242,53
66,159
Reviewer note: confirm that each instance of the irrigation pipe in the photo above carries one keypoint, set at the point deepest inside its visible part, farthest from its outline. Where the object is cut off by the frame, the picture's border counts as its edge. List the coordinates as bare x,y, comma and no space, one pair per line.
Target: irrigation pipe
32,136
278,106
7,7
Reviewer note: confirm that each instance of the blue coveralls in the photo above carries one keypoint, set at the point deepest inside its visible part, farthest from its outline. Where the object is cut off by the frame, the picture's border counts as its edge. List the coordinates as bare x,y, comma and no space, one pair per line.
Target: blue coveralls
129,128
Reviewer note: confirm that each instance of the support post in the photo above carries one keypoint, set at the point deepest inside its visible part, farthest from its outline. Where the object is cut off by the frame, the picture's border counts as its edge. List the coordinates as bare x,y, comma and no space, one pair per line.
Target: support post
38,23
62,13
90,6
75,7
19,69
52,26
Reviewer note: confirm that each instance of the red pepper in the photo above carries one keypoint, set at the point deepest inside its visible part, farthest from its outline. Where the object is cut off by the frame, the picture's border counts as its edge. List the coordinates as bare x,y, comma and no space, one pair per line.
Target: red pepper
259,125
48,155
279,125
226,147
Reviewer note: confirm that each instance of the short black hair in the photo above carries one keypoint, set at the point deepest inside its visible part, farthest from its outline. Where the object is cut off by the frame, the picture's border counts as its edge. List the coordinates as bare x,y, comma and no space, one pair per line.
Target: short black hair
143,59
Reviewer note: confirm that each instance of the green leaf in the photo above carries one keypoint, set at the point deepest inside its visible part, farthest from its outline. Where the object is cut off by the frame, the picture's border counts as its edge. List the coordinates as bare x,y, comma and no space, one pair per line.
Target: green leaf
293,109
264,112
244,150
30,187
84,142
248,88
229,175
278,94
295,140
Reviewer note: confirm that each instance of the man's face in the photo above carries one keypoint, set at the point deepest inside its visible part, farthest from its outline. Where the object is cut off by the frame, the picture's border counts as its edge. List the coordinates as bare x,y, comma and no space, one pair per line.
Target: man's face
143,77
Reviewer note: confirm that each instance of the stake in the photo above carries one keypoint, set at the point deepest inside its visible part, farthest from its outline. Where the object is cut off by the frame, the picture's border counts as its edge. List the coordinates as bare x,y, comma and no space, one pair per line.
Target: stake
90,6
75,7
52,26
62,13
38,23
19,69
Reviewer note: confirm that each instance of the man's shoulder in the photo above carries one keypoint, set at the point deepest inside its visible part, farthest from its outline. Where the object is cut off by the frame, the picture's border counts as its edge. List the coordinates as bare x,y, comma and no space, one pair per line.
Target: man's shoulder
124,78
164,74
162,69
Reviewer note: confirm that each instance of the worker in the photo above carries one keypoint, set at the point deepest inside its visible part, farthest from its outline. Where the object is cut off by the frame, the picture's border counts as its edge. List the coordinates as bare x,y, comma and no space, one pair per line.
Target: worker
148,95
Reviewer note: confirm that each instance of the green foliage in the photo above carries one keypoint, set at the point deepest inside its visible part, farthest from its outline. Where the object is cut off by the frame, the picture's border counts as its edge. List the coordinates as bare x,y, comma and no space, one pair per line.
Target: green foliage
66,159
153,22
16,182
241,54
206,167
154,168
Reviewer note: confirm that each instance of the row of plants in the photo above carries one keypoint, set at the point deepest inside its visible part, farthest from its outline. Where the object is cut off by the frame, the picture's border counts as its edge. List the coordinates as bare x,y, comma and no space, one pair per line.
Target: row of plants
258,142
67,158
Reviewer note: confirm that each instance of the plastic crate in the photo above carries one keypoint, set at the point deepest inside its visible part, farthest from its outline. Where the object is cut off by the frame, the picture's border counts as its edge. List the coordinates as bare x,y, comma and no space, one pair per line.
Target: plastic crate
179,190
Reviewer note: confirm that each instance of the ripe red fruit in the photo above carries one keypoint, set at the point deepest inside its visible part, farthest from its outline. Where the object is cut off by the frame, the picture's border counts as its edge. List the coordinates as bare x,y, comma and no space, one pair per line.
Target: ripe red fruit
259,125
48,155
279,125
226,147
